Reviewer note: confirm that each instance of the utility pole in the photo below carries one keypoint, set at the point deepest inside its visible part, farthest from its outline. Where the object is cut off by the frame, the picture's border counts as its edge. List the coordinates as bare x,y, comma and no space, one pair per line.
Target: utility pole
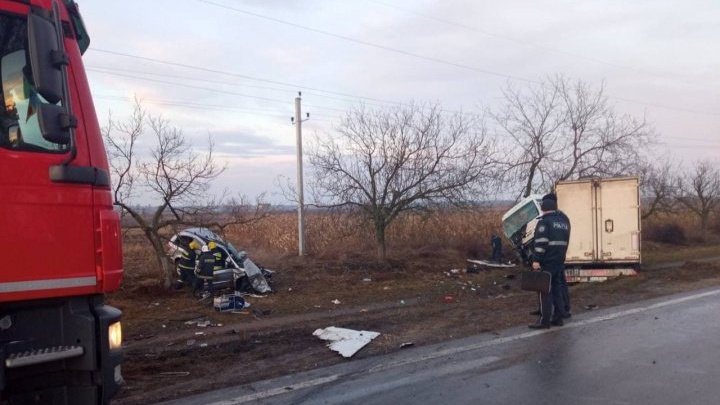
297,120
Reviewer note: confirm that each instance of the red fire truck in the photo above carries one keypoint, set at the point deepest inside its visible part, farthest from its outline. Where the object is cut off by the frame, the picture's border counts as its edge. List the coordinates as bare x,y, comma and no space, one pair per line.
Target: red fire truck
59,235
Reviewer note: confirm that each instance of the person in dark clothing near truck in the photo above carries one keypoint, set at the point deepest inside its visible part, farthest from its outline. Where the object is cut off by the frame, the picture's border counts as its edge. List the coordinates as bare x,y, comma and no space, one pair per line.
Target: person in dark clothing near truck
552,234
565,290
496,244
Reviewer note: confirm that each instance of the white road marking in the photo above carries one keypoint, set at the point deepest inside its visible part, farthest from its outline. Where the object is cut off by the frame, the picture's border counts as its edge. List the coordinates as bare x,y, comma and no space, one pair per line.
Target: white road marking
456,350
277,391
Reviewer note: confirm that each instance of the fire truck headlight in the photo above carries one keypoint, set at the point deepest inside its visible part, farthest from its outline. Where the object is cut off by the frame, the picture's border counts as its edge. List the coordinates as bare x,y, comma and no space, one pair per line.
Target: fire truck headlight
115,336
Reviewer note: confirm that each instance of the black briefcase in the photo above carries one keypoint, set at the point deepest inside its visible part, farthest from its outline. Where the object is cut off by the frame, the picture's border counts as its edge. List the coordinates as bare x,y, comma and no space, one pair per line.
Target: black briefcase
535,281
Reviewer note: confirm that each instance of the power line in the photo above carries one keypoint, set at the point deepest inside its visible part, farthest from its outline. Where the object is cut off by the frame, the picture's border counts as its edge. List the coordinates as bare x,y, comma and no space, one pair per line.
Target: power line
526,43
667,107
211,107
300,86
234,74
101,69
372,44
429,58
266,99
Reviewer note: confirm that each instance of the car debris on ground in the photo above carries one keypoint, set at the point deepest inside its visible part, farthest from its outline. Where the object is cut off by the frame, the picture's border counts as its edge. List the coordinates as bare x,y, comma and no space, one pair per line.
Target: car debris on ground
347,342
230,303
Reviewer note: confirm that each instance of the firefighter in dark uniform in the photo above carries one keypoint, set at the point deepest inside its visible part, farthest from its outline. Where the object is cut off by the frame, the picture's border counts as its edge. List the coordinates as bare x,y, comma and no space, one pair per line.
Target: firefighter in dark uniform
186,265
552,234
206,266
220,256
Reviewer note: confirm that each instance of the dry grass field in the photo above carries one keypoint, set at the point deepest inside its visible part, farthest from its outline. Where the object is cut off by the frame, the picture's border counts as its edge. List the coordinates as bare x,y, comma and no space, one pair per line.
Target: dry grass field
405,297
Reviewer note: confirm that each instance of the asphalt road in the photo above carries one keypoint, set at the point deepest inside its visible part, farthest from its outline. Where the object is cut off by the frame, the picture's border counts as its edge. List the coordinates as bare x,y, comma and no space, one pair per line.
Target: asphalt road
663,351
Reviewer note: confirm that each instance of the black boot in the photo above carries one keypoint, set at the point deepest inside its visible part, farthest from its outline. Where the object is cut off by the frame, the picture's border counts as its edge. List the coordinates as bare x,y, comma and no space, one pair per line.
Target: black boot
539,325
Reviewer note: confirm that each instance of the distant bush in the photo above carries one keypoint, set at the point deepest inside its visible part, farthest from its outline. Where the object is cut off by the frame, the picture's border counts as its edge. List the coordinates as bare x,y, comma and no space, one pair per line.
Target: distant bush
671,233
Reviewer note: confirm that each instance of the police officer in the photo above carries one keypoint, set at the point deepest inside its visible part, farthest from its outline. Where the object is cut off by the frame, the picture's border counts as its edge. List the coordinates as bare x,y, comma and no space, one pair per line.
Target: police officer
186,265
565,290
552,234
206,265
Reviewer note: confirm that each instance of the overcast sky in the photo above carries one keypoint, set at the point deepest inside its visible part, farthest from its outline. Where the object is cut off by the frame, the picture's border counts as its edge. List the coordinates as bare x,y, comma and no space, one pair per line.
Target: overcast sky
232,68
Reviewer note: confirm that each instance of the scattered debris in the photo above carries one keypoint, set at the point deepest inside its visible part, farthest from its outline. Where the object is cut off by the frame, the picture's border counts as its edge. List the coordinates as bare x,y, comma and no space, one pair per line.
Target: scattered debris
203,345
487,263
190,342
175,373
317,306
336,301
199,322
364,310
591,307
449,299
472,268
199,333
407,344
289,289
402,302
347,342
367,280
230,303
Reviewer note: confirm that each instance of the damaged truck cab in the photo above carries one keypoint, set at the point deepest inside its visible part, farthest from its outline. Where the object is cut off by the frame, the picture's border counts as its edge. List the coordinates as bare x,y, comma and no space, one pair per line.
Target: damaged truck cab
519,225
604,215
59,343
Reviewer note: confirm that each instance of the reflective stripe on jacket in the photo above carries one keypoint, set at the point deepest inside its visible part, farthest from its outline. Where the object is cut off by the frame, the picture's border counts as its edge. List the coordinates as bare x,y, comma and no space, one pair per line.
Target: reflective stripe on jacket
552,234
187,260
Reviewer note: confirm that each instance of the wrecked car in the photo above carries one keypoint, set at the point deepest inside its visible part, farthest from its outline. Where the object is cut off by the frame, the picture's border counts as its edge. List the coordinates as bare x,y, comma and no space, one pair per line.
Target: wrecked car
241,273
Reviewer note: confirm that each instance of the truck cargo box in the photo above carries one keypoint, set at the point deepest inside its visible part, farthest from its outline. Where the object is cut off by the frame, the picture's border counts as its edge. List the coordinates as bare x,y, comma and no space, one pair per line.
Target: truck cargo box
605,219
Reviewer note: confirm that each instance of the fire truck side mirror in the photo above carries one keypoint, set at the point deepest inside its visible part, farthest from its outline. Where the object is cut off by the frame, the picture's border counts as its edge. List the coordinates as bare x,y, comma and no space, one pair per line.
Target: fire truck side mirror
55,123
46,58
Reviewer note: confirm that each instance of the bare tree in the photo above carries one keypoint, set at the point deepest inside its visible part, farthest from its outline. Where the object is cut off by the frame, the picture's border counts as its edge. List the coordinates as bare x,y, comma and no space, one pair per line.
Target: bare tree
387,161
700,191
658,187
558,130
173,175
221,213
531,119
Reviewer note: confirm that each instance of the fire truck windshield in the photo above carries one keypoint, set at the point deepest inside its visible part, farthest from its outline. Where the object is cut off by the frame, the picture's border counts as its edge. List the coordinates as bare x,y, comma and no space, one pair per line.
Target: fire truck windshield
18,120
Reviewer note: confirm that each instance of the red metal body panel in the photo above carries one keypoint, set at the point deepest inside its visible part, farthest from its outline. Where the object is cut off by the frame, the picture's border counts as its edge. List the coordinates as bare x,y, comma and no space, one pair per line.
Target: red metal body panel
57,231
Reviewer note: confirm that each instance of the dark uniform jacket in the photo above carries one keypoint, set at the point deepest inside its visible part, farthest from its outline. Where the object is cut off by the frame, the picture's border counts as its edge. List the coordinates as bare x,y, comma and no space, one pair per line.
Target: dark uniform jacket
220,257
187,260
552,234
206,264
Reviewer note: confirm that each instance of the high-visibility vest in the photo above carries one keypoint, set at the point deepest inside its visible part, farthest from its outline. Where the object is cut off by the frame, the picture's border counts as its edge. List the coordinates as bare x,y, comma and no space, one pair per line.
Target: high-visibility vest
187,260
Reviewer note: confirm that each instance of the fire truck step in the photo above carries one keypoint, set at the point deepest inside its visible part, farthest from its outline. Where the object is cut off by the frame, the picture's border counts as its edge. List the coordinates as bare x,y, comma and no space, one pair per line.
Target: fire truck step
37,356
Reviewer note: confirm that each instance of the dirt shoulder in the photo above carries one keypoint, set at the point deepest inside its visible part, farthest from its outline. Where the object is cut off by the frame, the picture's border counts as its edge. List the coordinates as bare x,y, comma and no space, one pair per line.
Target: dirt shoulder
419,301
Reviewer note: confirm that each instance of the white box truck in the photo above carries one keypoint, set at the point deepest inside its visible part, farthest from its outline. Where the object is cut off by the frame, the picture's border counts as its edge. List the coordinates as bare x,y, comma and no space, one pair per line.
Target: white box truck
604,216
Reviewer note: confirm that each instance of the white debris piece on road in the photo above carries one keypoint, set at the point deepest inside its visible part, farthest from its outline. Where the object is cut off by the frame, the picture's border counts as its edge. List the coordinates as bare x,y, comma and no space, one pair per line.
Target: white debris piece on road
347,342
